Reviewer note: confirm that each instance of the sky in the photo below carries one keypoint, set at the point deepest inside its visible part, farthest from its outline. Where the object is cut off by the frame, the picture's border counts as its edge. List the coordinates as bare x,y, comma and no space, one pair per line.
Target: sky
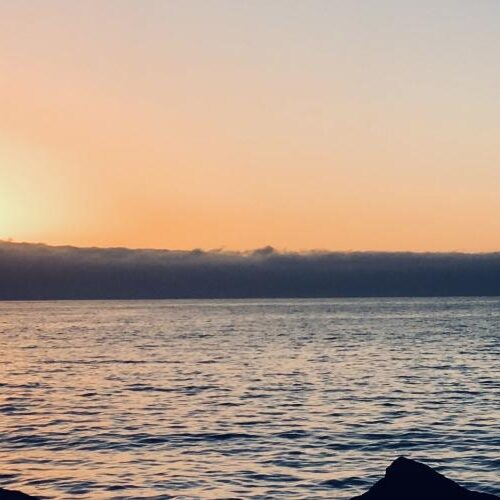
363,125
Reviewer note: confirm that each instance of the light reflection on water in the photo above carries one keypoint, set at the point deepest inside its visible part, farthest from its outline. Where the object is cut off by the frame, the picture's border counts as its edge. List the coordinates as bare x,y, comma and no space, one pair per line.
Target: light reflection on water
219,399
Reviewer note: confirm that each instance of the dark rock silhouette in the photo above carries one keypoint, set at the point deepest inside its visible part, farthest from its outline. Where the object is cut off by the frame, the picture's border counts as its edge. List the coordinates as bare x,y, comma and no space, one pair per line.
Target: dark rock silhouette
407,479
14,495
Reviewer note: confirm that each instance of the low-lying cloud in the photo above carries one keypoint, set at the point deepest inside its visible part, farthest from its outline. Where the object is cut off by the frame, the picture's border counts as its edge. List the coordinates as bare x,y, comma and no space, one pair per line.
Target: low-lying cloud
35,271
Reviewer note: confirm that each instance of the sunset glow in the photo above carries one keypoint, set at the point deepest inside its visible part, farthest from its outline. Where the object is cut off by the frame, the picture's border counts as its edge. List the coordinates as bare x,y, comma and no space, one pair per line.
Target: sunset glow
321,124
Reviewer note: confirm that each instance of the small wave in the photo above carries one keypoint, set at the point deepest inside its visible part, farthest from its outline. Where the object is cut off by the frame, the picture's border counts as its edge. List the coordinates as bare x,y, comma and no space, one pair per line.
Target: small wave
296,434
348,482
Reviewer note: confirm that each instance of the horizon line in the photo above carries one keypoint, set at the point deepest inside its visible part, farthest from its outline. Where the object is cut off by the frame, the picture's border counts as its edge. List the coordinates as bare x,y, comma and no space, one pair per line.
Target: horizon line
263,250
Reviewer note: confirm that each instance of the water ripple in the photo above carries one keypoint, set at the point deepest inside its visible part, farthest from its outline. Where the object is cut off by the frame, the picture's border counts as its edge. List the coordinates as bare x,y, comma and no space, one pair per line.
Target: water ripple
287,399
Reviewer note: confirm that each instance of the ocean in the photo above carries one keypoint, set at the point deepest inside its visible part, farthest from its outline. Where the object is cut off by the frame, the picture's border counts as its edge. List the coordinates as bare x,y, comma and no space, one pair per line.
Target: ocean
246,398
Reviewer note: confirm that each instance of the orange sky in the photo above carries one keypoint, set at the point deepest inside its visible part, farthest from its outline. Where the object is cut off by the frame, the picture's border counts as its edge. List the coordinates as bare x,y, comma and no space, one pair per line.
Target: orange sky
321,124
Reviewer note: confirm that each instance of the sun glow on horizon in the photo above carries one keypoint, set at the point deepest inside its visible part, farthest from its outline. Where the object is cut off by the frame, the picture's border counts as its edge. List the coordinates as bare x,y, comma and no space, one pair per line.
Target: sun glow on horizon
311,125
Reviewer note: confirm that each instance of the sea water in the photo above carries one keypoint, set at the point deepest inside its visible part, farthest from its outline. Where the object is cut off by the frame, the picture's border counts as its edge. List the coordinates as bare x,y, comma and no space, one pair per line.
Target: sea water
246,398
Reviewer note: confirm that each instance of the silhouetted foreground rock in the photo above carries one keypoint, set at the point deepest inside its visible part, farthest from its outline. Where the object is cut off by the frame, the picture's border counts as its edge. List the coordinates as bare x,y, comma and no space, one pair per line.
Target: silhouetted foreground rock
406,479
14,495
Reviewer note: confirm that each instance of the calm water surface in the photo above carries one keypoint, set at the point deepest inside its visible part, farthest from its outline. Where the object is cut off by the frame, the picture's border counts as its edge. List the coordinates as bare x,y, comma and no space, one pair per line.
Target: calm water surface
245,399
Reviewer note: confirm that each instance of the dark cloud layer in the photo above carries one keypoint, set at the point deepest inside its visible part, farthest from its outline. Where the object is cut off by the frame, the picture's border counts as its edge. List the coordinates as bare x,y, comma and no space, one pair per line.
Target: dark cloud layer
29,271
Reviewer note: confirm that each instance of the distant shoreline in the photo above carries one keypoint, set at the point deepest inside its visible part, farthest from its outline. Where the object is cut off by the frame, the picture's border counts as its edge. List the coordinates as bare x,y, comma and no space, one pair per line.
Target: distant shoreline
236,299
42,272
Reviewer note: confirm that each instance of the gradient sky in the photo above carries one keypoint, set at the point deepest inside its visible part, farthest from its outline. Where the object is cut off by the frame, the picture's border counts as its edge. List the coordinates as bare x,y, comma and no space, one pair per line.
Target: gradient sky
366,125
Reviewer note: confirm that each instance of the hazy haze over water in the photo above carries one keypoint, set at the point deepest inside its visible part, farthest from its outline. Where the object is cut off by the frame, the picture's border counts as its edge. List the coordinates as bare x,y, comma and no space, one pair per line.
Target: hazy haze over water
250,398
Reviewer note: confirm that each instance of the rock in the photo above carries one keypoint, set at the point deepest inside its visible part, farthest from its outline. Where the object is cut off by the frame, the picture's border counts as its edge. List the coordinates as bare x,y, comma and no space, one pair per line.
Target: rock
14,495
407,479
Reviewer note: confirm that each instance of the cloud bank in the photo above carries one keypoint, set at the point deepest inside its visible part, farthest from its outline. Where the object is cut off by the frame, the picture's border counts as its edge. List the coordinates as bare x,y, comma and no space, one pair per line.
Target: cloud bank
35,272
